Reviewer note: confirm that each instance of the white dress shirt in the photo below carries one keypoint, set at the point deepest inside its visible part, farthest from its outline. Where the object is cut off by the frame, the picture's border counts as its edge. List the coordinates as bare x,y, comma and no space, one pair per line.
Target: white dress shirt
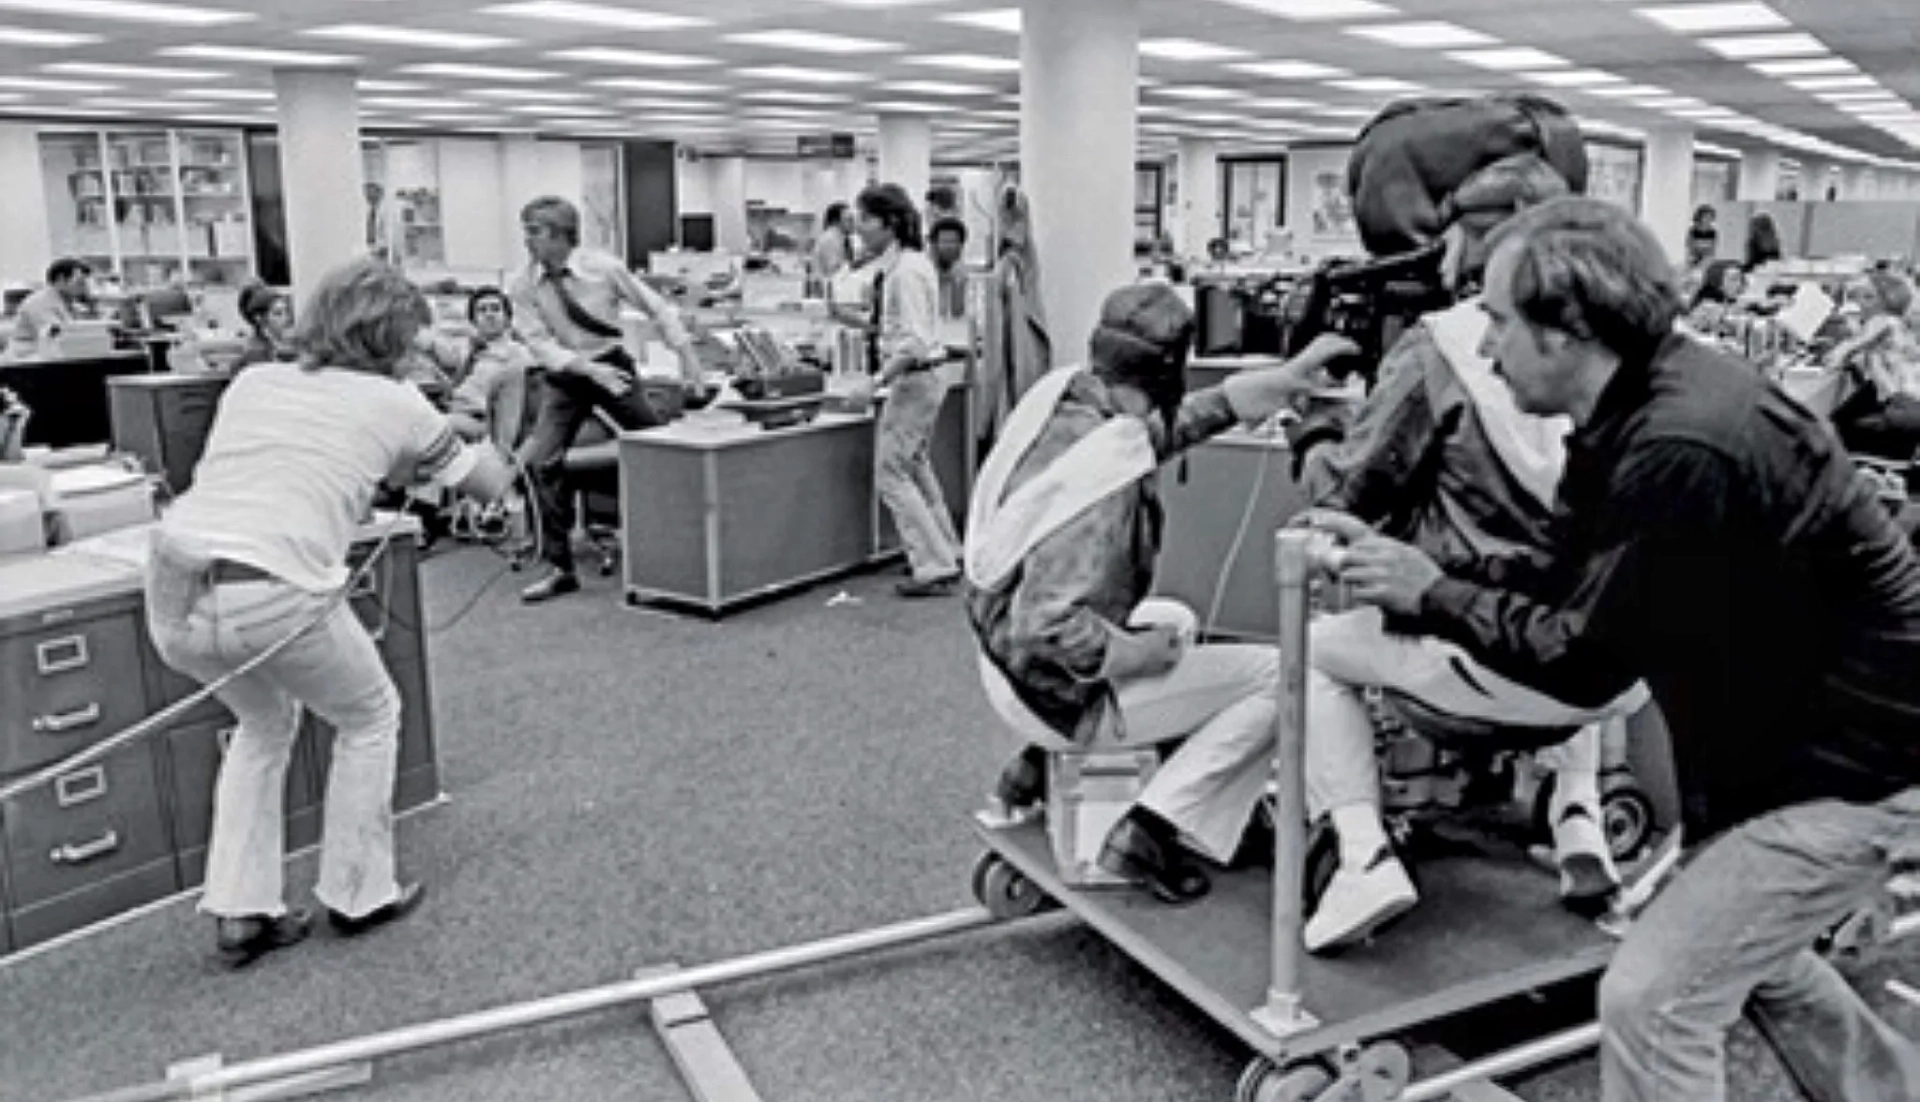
599,282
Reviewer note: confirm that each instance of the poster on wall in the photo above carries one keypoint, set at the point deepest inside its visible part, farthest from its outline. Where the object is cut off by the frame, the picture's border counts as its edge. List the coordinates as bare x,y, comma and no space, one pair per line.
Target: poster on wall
1613,174
1332,209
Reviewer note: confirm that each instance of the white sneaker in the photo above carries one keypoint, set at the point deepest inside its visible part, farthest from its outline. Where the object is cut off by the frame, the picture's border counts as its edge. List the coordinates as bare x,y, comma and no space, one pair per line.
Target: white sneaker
1359,901
1588,877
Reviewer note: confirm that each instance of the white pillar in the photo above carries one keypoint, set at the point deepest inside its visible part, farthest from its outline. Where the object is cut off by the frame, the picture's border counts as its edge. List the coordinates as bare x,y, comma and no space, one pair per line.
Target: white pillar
26,232
1199,220
320,165
1666,191
1759,175
906,154
1079,70
730,204
1815,176
519,185
1856,182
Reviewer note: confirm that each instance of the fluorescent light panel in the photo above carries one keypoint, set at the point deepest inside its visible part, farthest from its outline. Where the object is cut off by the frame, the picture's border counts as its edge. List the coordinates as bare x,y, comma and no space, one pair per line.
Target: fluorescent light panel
595,15
1754,46
775,95
54,40
563,110
131,72
911,107
131,11
1426,34
417,103
1509,59
652,103
391,86
411,36
1386,86
1702,18
1834,84
1279,103
651,84
799,75
1310,11
813,42
972,63
936,88
1630,91
1199,91
640,59
1187,49
1805,66
39,84
1290,69
465,71
1004,20
1574,78
251,55
530,95
247,94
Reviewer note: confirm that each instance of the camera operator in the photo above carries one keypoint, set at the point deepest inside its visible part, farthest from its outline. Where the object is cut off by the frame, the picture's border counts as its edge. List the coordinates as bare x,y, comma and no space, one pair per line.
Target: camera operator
1441,457
1714,537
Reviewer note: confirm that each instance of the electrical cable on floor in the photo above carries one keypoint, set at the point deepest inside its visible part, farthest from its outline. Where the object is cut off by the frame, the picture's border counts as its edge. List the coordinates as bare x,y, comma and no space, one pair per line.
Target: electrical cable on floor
536,553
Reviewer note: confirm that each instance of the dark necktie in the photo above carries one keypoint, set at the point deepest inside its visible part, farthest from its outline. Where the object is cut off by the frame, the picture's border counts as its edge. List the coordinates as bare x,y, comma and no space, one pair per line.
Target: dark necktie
576,313
873,330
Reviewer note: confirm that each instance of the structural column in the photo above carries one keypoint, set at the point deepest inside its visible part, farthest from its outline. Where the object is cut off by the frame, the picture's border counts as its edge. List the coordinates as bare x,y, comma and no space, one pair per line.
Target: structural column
1759,175
26,233
519,185
729,193
1077,160
1666,200
1815,177
320,165
1199,220
906,154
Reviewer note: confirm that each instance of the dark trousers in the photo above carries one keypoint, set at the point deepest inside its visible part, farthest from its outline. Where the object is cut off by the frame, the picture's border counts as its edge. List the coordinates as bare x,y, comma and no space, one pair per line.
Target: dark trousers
568,401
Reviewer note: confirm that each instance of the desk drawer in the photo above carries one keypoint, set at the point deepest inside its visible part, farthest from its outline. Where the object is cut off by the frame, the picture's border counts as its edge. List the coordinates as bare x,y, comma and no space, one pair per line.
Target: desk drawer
87,826
68,686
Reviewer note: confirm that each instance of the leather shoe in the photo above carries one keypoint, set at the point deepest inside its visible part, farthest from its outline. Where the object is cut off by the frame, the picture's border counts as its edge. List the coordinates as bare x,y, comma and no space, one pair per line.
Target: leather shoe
1163,867
1023,783
559,583
408,901
932,587
244,939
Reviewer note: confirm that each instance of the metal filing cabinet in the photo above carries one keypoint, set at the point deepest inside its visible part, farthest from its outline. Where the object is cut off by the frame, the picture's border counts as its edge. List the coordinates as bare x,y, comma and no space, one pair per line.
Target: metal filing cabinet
95,841
164,419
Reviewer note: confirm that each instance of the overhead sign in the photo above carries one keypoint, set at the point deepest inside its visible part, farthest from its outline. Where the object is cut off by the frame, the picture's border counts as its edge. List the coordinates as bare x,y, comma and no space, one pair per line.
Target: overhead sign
826,147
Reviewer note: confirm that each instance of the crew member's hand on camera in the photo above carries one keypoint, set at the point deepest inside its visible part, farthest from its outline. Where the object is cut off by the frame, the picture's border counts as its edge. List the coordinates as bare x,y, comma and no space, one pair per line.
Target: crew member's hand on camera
1388,574
1258,395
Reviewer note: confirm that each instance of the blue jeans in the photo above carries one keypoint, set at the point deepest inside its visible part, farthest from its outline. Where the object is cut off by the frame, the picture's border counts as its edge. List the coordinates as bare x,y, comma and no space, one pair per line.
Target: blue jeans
206,630
904,476
1732,933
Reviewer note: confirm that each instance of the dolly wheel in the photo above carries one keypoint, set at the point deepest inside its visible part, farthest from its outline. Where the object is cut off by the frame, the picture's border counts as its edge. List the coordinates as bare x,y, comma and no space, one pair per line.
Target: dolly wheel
1379,1072
1004,890
1264,1081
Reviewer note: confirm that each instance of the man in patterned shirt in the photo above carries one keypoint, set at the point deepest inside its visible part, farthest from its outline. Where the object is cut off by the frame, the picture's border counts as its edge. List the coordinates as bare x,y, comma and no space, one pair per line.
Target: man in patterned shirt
1062,542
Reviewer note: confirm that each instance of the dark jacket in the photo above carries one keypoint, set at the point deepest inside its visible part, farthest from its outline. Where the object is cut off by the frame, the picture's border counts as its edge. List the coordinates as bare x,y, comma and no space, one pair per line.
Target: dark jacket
1715,539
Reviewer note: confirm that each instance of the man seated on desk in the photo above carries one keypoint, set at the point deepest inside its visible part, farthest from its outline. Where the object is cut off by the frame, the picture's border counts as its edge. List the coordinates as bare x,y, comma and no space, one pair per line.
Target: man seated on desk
567,305
1442,457
1062,539
46,313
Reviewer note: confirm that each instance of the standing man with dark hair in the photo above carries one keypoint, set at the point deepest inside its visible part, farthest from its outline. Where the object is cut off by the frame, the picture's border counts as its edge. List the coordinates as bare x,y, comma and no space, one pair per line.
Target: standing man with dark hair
948,241
48,311
567,302
906,304
1715,538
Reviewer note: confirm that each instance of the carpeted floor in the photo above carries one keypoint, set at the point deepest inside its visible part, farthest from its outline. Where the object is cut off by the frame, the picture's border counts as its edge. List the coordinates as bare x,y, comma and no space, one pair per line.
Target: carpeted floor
630,789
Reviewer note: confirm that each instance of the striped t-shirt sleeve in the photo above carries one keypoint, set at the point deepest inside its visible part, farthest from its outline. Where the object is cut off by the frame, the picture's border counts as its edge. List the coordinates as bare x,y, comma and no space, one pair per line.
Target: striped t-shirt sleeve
438,454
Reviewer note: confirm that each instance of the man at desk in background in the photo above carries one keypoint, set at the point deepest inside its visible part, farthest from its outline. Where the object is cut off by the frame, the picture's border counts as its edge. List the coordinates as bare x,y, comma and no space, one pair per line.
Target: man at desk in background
948,243
567,302
45,313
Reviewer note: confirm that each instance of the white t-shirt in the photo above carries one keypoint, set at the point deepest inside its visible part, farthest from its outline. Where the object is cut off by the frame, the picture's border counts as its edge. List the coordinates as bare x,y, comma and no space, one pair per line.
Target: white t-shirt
293,462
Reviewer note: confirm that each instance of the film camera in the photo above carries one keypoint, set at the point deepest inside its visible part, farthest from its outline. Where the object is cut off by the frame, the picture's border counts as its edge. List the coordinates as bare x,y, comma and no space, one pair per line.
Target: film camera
1370,302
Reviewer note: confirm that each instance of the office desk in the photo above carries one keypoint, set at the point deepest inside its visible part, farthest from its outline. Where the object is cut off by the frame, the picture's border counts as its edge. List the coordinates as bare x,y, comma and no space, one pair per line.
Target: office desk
713,518
164,419
69,397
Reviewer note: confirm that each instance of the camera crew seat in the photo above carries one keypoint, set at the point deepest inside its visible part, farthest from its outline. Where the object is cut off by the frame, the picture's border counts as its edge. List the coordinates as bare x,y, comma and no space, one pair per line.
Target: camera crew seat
1455,732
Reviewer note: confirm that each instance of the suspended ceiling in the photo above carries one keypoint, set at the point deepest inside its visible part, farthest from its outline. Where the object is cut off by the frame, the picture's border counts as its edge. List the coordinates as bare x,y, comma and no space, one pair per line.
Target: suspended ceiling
1832,78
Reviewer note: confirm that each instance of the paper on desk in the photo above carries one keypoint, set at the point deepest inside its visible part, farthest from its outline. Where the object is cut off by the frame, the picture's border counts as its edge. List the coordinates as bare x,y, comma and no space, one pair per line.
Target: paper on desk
1809,310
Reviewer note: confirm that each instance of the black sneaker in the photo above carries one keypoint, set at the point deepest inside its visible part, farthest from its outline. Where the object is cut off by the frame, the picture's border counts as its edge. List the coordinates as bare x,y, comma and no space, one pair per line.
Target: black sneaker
1023,783
1147,857
244,939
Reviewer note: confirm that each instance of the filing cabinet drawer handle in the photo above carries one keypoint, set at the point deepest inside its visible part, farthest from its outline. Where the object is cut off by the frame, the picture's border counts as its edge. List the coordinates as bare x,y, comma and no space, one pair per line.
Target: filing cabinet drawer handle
78,788
67,721
81,853
60,655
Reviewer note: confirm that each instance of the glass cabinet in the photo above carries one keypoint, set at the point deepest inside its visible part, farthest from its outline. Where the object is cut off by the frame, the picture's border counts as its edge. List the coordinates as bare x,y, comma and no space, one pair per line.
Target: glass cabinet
151,206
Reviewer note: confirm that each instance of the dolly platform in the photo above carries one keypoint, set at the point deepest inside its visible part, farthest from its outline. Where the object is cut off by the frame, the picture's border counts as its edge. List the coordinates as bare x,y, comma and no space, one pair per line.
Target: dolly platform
1486,931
